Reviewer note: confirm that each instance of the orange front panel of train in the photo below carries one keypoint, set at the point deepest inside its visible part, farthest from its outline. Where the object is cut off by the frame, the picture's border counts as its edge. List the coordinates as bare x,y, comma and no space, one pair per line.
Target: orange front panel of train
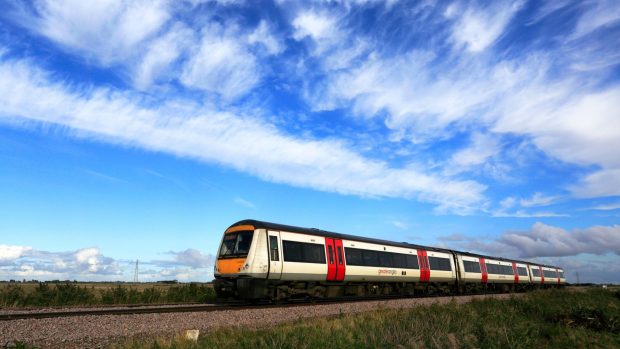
230,265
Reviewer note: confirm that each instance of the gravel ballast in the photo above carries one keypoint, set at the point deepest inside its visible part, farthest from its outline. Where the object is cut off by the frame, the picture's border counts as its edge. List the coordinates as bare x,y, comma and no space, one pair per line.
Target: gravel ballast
103,330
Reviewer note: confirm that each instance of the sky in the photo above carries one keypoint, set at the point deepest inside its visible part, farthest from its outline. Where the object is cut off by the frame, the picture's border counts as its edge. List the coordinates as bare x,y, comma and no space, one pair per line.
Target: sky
140,130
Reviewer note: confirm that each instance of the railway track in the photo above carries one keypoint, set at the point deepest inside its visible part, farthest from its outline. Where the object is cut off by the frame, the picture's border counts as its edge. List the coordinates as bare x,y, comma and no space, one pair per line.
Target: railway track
190,308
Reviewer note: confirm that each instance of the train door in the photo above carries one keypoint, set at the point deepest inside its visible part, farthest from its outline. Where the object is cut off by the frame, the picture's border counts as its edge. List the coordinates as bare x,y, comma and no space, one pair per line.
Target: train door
516,272
336,266
425,270
483,270
275,256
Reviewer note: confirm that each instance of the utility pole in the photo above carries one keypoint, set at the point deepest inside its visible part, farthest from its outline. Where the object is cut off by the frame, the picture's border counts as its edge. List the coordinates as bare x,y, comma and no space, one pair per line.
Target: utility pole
135,273
577,273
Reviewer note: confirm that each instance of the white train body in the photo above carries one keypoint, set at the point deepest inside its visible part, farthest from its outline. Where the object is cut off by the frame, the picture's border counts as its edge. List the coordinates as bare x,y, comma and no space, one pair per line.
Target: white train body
260,260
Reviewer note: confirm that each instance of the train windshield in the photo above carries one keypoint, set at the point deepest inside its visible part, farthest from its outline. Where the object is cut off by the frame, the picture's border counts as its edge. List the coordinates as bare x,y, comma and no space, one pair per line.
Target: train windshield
236,244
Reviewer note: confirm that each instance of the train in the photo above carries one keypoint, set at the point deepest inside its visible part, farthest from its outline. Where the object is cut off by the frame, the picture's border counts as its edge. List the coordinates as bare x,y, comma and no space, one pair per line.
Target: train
263,261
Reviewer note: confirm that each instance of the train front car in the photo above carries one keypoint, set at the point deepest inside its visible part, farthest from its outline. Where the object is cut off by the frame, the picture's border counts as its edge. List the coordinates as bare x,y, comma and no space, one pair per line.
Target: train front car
241,262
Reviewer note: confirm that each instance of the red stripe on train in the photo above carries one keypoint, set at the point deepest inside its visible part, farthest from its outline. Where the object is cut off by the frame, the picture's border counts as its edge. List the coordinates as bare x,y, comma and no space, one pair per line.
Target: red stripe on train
425,272
483,269
514,270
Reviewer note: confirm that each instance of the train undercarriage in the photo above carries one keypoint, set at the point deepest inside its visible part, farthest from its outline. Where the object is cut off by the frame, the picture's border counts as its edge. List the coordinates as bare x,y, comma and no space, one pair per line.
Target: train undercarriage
276,290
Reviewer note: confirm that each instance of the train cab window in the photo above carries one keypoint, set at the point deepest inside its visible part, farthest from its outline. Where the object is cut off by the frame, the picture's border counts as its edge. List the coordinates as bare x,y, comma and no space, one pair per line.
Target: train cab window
438,263
522,271
471,267
339,249
236,244
330,252
273,248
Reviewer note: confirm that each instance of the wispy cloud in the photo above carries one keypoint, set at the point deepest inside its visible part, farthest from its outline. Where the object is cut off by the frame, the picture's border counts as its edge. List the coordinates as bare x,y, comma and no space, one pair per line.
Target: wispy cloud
606,207
477,28
221,137
108,31
243,202
538,199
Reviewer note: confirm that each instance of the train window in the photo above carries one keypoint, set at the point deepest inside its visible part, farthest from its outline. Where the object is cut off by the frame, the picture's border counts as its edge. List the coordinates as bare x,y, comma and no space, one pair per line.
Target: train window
399,260
412,262
339,249
385,259
354,256
303,252
370,258
330,252
471,267
561,275
522,271
492,268
273,247
550,273
536,272
438,263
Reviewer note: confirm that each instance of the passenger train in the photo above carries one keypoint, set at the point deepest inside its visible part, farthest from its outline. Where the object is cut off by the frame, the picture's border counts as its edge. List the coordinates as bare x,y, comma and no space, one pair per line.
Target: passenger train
274,262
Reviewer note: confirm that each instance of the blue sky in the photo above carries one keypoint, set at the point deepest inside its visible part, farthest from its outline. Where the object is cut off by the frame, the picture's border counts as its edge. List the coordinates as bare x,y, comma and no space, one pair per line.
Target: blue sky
142,129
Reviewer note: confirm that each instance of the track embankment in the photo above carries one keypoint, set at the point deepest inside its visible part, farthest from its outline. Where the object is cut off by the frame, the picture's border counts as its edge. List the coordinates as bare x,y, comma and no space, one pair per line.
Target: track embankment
100,330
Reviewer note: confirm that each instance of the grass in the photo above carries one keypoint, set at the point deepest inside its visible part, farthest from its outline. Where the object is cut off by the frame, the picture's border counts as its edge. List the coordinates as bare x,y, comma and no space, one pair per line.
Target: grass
541,319
16,295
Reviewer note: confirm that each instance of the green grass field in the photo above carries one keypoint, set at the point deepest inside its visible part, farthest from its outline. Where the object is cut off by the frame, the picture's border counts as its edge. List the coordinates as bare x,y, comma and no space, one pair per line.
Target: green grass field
542,319
45,294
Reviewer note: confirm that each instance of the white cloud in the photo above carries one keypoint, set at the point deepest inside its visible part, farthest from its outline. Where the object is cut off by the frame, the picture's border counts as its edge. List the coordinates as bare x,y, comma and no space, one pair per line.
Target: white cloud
220,64
264,36
548,241
598,14
317,26
477,28
598,184
10,253
84,264
513,207
160,54
108,31
240,142
481,148
606,207
538,199
193,258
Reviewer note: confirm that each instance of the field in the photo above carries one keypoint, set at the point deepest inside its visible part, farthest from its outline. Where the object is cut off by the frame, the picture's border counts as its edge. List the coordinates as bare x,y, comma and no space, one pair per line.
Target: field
45,294
543,319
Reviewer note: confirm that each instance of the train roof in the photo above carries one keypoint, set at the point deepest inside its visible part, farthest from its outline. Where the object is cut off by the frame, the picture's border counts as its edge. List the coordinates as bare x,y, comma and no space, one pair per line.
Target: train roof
318,232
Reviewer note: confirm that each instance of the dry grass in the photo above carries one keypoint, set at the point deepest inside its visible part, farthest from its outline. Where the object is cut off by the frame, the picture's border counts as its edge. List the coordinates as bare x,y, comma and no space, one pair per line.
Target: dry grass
542,319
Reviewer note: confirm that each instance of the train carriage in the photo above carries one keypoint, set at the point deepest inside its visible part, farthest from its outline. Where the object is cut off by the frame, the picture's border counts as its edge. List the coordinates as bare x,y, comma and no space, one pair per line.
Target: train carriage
261,260
546,276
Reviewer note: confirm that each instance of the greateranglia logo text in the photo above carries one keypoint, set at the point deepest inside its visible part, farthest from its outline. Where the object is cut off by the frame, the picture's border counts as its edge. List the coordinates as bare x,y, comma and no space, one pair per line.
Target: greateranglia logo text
387,272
